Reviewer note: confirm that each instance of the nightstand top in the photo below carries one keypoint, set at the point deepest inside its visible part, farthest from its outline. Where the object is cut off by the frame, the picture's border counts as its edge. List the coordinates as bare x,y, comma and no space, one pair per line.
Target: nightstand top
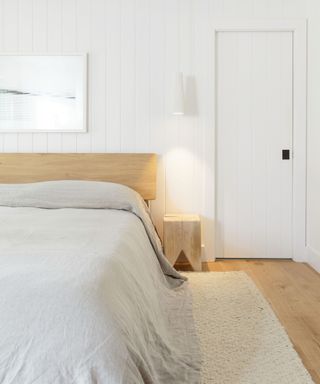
181,217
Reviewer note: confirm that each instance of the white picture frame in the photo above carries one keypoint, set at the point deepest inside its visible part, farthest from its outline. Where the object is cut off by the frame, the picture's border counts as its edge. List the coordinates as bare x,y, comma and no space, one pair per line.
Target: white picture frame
43,92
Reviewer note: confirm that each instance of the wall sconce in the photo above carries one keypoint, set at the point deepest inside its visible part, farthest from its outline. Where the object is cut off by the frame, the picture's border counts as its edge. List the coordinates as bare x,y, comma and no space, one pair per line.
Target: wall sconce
178,100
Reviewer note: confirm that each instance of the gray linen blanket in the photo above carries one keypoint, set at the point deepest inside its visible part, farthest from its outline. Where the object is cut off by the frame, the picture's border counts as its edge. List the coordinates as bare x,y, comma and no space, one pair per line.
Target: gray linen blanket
86,294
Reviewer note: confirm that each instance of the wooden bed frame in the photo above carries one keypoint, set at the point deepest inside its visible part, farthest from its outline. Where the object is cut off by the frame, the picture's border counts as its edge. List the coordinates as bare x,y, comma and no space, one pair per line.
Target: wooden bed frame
137,171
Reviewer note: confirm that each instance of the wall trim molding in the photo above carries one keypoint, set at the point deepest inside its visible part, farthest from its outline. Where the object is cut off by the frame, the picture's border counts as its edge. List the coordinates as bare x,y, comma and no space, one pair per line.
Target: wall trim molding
313,258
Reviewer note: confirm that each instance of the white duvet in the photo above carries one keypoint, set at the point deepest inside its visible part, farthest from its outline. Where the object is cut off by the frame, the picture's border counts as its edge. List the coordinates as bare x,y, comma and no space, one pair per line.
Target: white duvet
86,295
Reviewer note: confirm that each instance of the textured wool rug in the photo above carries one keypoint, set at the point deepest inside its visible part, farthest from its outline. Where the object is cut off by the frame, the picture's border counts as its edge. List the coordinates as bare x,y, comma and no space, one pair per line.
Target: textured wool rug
241,340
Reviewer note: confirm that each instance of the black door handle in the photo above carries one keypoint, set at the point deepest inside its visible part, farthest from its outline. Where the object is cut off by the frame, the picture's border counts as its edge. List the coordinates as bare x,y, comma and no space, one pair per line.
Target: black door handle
286,154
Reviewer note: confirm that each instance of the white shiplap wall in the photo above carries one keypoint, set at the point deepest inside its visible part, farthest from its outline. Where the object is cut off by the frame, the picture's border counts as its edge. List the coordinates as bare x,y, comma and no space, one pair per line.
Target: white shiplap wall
135,47
313,214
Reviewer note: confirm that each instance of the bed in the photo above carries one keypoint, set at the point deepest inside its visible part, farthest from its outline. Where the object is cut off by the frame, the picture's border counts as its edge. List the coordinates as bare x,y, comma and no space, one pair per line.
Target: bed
86,294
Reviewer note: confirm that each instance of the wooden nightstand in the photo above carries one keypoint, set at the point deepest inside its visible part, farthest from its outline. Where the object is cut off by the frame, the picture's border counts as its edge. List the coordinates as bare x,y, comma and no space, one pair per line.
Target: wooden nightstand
182,233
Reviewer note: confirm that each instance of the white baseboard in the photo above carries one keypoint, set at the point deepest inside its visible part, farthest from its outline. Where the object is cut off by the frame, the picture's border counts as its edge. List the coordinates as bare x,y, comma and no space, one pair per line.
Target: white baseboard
313,258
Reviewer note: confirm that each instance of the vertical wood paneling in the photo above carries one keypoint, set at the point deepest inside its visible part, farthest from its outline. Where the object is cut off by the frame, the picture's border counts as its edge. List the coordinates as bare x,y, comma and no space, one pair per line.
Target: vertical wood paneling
157,102
186,145
40,45
192,107
54,30
236,8
113,75
215,9
10,44
135,48
260,8
26,26
82,44
171,66
68,44
2,49
275,8
10,25
292,8
40,32
25,140
206,113
97,72
128,75
142,76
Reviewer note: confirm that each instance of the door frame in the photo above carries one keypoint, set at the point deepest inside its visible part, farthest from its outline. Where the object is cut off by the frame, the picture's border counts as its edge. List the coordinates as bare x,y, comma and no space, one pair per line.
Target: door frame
298,28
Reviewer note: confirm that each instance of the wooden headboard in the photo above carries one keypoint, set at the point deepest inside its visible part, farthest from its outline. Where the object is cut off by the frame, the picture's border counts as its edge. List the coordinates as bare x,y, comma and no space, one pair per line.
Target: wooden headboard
137,171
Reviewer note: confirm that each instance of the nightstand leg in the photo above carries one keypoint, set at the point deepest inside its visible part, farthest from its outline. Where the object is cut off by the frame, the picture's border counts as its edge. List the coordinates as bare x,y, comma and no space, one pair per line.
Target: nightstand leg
192,243
195,261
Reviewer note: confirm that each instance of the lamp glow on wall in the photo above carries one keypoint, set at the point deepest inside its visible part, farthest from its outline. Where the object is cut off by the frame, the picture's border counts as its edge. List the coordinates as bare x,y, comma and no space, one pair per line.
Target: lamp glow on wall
178,97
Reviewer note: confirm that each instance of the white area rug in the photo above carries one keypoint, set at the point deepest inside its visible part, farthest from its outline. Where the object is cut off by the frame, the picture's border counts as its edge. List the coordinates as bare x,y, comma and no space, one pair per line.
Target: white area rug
241,340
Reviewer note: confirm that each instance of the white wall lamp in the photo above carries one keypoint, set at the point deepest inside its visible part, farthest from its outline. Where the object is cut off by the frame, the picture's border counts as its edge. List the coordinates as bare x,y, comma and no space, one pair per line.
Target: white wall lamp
178,97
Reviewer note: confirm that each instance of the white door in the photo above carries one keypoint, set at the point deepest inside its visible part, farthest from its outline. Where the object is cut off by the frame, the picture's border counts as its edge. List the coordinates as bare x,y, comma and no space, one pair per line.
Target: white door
254,106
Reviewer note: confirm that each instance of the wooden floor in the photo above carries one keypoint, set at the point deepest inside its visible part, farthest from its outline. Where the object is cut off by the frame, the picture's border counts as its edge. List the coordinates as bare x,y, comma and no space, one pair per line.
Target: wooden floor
293,290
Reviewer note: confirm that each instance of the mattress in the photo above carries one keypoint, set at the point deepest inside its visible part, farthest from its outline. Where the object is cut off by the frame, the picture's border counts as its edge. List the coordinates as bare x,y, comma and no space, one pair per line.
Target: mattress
86,295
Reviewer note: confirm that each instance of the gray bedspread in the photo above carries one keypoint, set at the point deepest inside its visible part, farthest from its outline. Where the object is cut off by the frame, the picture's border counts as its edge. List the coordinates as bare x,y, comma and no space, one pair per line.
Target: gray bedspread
86,295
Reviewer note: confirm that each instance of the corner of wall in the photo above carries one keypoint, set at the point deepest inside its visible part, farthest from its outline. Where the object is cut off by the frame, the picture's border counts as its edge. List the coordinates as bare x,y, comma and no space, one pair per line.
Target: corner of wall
313,258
